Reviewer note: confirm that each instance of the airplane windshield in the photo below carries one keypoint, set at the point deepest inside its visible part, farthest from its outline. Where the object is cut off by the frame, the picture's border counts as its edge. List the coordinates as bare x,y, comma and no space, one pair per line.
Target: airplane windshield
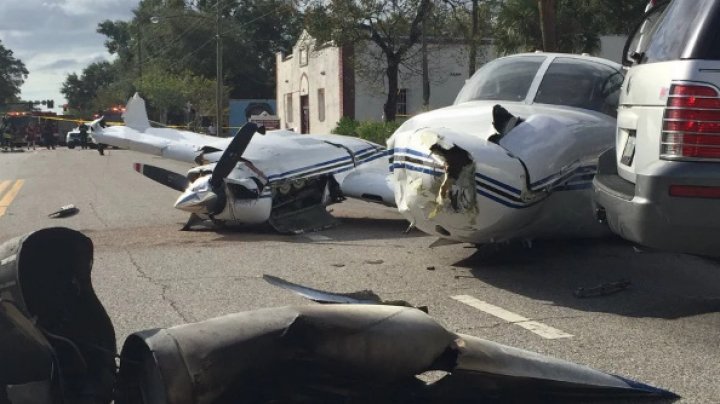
581,84
507,79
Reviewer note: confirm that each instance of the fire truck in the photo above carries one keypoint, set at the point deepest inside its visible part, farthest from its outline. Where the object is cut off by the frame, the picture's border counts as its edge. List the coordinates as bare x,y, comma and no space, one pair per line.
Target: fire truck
19,120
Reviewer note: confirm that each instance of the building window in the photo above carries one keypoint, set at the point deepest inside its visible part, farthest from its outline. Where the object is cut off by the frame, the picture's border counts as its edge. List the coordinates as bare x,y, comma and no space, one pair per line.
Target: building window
303,57
402,101
288,108
321,104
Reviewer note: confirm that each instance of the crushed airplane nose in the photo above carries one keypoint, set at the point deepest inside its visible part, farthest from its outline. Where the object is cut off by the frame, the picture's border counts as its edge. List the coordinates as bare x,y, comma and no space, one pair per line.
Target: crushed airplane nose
434,176
455,185
195,202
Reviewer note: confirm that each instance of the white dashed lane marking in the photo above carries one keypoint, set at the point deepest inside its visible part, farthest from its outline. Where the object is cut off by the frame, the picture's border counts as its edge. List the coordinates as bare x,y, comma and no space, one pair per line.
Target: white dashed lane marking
317,237
536,327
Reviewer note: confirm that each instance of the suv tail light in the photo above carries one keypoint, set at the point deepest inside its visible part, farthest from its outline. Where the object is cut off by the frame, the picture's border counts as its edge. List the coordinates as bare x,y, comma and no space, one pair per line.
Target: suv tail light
691,125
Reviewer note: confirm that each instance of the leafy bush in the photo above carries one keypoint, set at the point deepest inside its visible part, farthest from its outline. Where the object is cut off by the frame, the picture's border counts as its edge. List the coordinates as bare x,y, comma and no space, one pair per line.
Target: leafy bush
377,132
347,127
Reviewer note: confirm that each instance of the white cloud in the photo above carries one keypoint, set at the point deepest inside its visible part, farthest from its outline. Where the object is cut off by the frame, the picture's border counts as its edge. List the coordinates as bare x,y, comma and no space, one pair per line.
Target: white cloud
55,38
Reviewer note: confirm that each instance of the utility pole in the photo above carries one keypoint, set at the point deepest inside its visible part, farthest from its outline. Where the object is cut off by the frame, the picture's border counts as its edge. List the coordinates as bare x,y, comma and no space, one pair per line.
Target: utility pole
473,39
140,61
219,73
547,24
425,74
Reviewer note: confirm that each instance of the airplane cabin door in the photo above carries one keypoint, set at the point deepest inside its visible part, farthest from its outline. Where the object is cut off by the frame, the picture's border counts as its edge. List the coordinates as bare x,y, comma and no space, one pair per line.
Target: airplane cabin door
304,114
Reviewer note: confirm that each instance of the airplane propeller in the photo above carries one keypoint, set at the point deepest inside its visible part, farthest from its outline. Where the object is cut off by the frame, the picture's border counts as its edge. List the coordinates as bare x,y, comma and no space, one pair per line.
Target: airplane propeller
168,178
197,196
233,152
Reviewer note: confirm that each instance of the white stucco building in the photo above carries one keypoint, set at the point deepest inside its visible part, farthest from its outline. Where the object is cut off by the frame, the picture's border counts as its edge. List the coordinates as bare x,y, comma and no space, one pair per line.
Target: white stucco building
317,85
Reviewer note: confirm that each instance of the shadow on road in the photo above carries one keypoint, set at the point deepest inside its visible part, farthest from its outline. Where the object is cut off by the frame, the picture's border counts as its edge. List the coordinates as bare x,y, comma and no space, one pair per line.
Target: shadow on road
663,285
348,229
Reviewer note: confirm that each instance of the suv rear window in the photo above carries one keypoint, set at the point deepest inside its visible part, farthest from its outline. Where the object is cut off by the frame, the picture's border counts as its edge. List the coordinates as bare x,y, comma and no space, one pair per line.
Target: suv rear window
505,79
687,29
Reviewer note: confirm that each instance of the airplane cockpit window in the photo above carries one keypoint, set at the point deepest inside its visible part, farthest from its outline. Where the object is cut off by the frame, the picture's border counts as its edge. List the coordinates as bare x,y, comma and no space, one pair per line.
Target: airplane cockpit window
507,79
582,84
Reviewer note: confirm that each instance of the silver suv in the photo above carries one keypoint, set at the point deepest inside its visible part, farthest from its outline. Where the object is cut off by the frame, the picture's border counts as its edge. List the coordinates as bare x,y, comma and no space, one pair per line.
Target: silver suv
660,186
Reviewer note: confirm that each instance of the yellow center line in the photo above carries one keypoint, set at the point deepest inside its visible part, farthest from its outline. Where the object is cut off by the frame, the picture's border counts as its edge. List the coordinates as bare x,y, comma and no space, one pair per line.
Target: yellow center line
4,185
10,196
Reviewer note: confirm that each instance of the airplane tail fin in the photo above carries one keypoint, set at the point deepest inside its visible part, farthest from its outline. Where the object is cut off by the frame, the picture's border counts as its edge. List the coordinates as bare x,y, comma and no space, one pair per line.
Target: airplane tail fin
135,115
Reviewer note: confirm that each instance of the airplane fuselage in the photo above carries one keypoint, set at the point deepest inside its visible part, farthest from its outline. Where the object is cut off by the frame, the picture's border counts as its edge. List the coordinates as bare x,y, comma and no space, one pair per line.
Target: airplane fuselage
452,182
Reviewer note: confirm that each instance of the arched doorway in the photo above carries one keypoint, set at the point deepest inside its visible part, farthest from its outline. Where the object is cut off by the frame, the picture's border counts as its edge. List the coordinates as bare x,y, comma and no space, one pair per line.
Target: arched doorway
304,104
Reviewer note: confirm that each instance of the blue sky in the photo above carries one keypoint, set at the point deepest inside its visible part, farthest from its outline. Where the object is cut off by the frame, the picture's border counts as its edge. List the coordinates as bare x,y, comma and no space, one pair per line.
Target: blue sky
56,37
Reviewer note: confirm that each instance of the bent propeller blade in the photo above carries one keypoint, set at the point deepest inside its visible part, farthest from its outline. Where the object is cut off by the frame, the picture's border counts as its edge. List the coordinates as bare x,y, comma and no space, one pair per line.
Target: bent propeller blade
234,151
321,296
168,178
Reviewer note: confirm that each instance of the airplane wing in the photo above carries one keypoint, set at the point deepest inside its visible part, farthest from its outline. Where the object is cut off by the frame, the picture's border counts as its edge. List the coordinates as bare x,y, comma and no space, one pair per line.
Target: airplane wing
360,167
138,135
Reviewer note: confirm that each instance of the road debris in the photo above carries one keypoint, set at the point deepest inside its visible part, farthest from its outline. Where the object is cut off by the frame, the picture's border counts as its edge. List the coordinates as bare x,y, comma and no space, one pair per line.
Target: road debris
604,289
321,296
315,353
65,211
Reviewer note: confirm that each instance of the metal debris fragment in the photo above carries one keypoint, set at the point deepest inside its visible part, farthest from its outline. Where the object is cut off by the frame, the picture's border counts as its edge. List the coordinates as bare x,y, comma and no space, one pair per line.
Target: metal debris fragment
321,296
65,211
604,289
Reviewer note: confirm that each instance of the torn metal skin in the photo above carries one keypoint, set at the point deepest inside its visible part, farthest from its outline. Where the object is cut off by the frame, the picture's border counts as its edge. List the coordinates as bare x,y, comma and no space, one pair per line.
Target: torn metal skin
346,353
457,190
58,346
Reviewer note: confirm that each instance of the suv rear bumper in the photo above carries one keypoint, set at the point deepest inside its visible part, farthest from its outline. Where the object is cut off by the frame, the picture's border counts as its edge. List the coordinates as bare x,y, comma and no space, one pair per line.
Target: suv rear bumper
645,212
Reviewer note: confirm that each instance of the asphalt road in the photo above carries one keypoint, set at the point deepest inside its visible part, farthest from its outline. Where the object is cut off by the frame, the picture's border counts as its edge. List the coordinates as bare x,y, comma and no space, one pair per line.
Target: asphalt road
663,330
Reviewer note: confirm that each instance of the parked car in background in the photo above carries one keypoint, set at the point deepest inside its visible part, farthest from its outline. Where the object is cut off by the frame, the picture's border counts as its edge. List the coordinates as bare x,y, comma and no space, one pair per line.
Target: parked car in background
72,139
660,185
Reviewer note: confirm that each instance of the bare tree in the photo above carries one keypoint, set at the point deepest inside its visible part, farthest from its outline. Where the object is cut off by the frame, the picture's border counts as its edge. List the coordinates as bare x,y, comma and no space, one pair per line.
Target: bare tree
394,26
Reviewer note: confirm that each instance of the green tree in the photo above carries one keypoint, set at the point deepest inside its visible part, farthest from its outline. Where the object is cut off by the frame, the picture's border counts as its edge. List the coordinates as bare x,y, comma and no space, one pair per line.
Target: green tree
118,38
180,36
620,16
12,75
80,91
471,21
167,93
167,52
395,27
578,24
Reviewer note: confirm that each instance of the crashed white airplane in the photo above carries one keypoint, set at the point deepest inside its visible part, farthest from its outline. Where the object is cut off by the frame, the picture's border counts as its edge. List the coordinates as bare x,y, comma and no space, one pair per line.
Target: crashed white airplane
473,172
281,178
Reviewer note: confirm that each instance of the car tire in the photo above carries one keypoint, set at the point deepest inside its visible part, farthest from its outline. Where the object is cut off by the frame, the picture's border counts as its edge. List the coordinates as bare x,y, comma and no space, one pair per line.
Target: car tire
71,146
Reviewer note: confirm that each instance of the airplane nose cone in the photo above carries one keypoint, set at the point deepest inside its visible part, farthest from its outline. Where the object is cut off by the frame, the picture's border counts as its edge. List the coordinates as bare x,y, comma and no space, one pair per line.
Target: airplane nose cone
195,202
